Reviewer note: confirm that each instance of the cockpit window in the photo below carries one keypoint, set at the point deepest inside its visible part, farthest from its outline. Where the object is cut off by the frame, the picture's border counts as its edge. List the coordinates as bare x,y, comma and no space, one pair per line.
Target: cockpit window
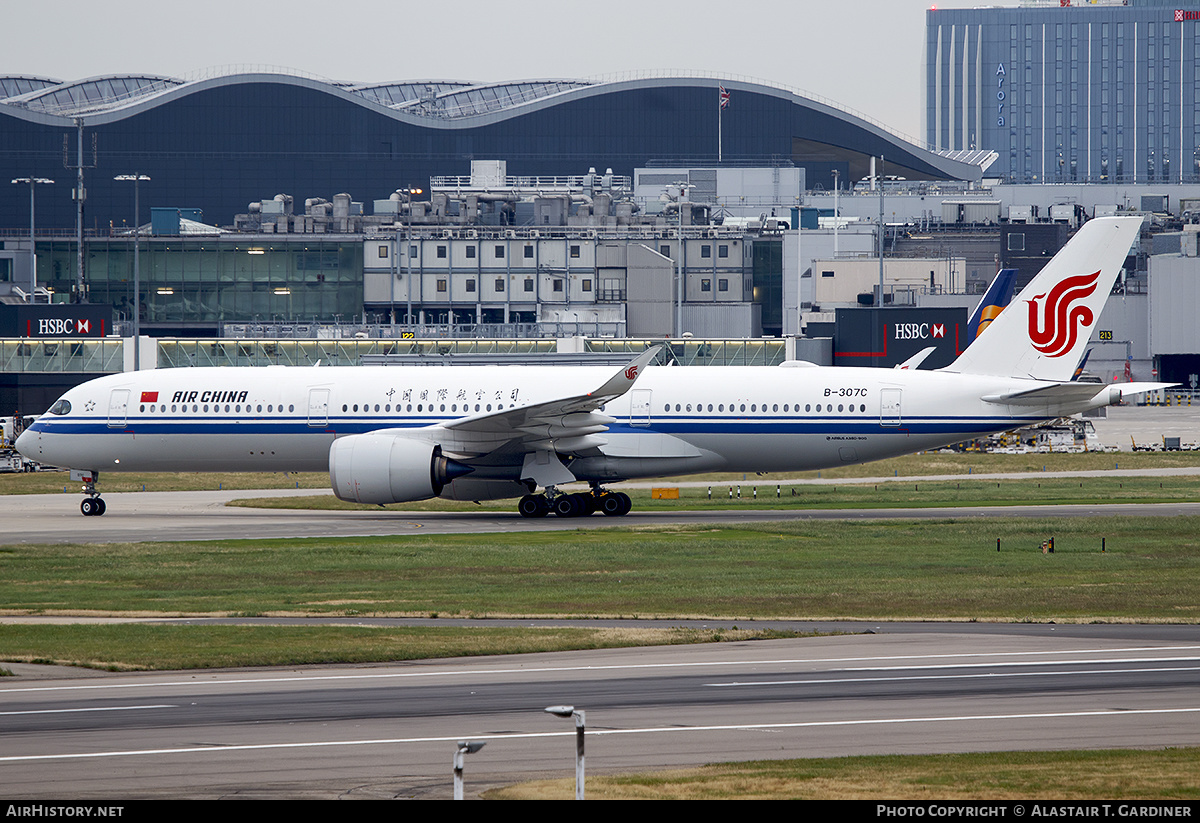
63,406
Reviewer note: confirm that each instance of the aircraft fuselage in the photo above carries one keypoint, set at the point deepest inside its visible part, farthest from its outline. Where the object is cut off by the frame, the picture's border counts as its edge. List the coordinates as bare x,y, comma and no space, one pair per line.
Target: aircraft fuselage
675,420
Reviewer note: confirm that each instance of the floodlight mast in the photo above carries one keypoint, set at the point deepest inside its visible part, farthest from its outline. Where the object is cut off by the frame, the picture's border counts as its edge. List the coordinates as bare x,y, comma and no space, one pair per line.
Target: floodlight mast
408,193
33,183
136,179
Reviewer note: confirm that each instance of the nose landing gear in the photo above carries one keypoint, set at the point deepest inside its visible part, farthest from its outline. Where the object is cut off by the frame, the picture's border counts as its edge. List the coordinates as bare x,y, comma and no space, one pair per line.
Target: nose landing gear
92,505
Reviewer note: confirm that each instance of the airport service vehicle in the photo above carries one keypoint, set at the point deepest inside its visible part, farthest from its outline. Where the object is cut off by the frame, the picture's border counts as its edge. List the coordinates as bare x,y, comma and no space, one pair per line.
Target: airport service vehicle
12,460
393,434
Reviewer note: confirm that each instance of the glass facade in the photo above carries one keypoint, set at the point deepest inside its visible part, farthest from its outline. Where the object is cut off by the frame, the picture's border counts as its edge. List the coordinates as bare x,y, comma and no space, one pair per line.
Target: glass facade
177,353
210,280
1083,93
767,259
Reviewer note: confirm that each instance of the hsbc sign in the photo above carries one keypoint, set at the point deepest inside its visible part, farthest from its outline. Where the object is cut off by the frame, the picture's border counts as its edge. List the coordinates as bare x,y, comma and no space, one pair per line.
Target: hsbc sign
919,331
62,327
889,336
65,320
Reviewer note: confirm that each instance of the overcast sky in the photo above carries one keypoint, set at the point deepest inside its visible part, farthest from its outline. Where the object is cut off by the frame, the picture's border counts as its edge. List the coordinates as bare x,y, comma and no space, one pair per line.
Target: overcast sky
862,54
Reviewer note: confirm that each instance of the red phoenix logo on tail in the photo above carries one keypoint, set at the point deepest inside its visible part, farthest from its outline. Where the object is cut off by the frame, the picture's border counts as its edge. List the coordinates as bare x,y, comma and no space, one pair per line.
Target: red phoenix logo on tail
1056,330
631,372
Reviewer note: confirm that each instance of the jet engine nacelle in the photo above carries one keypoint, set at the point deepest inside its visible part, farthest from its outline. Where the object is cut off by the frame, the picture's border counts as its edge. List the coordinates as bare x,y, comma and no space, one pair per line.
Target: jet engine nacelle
387,468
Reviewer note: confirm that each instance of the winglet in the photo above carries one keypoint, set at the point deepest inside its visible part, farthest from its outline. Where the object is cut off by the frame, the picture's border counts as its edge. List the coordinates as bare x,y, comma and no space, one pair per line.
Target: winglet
624,379
917,359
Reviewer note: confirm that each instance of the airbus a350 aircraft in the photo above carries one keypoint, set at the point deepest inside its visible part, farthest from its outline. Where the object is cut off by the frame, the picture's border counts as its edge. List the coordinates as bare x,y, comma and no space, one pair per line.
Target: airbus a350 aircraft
394,434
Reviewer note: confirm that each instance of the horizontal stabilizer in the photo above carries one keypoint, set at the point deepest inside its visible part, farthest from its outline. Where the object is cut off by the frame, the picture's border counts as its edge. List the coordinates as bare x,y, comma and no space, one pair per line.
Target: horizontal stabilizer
1052,393
1075,393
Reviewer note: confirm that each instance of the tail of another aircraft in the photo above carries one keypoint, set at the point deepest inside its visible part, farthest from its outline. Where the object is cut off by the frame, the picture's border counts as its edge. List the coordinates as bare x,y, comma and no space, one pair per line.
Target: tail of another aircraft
995,299
1043,334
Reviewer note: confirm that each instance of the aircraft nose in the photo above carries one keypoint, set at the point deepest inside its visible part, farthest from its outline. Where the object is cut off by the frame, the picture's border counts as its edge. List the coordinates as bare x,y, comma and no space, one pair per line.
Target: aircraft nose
26,442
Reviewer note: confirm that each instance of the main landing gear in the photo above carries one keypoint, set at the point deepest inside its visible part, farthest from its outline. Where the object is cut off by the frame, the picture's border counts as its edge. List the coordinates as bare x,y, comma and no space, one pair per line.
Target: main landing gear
92,505
580,504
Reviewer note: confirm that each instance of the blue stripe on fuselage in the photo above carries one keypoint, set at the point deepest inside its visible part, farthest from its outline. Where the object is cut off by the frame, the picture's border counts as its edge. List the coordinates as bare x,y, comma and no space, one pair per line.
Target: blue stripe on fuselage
682,426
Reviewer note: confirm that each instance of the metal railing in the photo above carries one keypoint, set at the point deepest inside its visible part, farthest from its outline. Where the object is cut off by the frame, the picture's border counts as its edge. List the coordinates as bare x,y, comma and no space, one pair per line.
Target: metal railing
99,356
427,331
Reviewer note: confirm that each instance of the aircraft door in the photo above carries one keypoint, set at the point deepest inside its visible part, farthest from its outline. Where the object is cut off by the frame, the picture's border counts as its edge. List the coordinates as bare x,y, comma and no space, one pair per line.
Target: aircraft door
318,408
889,407
118,408
639,407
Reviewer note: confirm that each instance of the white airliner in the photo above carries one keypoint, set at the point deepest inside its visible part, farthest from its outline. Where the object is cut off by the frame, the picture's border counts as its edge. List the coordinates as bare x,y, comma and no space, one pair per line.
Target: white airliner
394,434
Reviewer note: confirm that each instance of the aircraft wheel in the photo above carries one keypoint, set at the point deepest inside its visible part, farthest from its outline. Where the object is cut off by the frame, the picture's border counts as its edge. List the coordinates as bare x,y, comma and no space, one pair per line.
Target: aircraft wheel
626,503
612,506
569,505
588,503
89,507
533,505
103,507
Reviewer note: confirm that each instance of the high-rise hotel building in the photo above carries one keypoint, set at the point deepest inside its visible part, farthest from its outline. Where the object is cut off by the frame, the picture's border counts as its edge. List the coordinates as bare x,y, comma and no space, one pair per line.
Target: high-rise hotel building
1068,91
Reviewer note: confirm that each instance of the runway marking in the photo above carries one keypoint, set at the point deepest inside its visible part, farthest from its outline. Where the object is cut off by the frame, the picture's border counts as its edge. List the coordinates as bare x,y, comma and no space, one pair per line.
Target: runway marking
946,677
99,709
393,741
200,681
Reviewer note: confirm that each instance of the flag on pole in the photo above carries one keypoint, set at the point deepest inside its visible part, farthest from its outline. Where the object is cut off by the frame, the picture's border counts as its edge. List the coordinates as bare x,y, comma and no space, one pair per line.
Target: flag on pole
723,97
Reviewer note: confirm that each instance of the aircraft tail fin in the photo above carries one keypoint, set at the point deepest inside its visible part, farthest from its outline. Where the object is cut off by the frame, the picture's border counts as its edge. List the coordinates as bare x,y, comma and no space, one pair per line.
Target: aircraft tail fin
1044,333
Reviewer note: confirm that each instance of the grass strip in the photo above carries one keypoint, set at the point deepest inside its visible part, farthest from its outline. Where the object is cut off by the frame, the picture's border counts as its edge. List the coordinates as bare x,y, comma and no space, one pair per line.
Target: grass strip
909,493
1111,774
142,647
940,569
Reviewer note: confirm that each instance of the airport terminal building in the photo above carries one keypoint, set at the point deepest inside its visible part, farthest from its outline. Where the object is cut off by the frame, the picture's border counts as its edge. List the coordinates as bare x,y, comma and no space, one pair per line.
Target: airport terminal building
684,222
218,143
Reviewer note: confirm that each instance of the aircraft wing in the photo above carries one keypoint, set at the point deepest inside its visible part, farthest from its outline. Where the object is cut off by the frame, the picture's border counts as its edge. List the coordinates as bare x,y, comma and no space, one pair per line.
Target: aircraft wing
565,425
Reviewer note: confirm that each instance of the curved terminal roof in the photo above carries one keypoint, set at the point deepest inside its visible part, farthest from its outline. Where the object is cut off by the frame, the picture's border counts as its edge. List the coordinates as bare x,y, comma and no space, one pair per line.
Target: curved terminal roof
396,95
237,134
95,94
441,100
17,86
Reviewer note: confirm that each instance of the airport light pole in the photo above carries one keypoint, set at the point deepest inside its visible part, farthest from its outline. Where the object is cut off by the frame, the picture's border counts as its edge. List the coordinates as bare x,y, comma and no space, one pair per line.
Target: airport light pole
570,711
136,179
879,180
408,196
464,747
683,187
33,184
